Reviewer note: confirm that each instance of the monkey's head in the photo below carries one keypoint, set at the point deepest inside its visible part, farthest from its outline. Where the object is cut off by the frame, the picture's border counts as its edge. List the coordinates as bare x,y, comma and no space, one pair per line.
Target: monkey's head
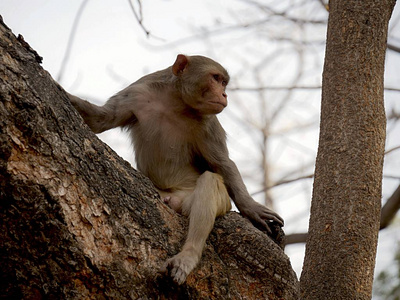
202,83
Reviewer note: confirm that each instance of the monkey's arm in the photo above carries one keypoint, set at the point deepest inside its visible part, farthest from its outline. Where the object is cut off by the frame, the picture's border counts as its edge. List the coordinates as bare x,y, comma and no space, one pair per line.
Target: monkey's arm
118,111
217,155
237,190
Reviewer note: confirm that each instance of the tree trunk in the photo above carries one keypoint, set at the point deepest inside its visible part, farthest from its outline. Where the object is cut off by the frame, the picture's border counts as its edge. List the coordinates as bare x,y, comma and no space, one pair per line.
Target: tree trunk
344,223
77,222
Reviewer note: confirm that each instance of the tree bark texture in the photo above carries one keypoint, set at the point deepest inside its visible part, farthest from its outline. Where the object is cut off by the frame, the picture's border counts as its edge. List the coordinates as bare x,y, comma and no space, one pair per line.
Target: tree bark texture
77,222
344,223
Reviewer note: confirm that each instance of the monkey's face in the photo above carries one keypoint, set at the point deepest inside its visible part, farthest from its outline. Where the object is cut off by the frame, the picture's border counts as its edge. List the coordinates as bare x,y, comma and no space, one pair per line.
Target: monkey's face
209,96
202,83
214,95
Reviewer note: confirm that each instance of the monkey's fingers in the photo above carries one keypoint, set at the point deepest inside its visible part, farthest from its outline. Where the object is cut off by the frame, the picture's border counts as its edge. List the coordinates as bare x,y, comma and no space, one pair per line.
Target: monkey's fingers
178,274
271,216
164,269
177,268
259,223
271,219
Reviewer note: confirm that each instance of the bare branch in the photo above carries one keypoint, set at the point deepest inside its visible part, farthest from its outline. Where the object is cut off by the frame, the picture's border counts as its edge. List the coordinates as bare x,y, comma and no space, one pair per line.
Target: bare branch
71,40
325,5
139,16
388,212
393,48
284,182
390,208
393,115
139,19
284,14
390,89
393,149
391,177
296,238
284,102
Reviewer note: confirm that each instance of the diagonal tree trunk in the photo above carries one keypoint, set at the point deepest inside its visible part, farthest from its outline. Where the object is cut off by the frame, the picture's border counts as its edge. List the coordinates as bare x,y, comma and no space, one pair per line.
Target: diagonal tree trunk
77,222
344,222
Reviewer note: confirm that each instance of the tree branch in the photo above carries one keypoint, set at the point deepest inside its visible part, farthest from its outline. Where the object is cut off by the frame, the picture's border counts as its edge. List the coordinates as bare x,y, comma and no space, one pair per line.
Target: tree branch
390,209
76,219
71,40
388,212
393,48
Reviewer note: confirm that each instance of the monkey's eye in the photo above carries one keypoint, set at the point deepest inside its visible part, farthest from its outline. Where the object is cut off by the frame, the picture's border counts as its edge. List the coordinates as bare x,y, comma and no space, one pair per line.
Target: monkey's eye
224,83
216,77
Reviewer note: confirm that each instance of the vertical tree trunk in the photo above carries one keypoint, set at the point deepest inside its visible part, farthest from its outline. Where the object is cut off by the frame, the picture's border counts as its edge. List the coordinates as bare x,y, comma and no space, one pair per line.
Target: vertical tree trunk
344,222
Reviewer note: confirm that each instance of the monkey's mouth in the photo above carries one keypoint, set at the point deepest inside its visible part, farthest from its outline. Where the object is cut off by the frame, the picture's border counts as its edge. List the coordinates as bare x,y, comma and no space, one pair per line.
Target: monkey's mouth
219,103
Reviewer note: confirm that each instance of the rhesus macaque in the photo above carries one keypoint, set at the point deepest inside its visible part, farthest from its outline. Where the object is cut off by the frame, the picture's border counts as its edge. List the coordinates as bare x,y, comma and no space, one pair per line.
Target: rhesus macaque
181,146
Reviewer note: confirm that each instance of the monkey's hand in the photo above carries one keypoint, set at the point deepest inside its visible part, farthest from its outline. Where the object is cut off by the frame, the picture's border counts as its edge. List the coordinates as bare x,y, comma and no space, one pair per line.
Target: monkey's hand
260,215
180,265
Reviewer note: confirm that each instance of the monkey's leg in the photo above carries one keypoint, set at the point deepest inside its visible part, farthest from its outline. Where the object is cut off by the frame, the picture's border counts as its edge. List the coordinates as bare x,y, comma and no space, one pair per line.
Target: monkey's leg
209,200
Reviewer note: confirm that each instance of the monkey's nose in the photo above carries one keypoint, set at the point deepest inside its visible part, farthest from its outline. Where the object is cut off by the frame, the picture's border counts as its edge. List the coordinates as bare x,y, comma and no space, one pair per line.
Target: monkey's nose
224,95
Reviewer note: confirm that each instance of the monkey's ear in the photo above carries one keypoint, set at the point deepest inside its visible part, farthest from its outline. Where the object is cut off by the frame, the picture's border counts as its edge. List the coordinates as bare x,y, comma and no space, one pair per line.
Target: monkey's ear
180,64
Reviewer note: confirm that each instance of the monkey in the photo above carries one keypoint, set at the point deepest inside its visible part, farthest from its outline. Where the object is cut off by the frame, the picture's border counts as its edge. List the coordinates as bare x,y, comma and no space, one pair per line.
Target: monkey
181,146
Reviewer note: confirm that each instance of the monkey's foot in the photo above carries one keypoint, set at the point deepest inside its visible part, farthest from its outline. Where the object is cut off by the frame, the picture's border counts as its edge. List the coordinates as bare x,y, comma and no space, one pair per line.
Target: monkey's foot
180,265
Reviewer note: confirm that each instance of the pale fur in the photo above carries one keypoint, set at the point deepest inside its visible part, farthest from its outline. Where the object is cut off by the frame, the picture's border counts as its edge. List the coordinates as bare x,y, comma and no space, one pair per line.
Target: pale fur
180,145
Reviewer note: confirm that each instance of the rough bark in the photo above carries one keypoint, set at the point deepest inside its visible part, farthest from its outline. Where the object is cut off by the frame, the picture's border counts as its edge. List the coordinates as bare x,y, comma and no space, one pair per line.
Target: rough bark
77,222
344,223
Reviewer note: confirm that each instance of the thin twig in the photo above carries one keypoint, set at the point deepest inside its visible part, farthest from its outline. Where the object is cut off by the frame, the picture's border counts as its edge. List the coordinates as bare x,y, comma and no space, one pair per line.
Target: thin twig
393,149
283,182
393,48
139,17
71,40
